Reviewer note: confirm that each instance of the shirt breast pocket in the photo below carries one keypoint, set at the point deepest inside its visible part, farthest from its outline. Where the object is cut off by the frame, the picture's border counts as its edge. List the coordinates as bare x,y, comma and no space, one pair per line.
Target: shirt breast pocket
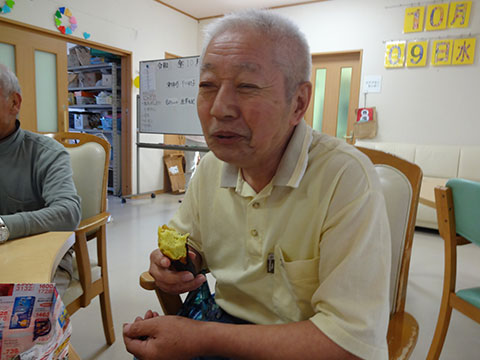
294,285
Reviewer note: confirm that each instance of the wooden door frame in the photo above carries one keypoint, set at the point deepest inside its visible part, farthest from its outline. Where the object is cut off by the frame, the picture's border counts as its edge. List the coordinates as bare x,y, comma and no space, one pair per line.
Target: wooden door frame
26,43
126,83
353,55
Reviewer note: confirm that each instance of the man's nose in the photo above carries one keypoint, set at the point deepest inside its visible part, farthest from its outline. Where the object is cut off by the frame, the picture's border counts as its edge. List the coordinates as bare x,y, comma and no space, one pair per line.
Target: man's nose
225,105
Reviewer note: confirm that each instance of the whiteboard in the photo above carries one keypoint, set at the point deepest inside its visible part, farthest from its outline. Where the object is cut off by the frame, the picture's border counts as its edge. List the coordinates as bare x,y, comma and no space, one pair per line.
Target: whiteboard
168,96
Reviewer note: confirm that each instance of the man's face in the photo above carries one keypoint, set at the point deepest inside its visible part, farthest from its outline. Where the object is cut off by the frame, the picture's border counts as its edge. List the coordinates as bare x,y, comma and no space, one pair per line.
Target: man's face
9,108
242,107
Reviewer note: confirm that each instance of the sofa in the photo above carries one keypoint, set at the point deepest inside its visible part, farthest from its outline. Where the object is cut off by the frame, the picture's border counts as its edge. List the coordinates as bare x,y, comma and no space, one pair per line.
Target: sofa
438,163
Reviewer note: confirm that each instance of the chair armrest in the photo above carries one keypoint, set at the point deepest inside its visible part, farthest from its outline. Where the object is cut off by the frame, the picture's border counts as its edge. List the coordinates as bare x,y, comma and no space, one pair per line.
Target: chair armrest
92,222
171,303
146,281
402,335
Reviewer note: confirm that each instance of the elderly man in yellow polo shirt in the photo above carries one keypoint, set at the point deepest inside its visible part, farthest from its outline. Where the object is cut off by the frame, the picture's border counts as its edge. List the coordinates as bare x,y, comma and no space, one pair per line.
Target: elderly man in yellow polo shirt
290,222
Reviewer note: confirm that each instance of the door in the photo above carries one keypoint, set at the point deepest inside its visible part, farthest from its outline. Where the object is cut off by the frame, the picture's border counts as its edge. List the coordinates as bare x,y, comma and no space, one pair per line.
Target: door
40,61
336,87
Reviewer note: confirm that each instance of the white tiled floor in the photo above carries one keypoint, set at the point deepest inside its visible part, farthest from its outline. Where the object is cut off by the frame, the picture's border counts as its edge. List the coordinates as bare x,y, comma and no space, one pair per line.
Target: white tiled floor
132,235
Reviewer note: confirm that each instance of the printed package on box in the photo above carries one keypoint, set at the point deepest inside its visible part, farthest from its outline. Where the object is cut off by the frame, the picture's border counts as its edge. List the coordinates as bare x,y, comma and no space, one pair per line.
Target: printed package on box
107,80
34,323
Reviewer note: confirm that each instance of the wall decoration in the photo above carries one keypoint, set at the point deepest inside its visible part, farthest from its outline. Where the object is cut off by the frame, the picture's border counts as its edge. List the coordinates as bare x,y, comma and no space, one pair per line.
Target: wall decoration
417,53
64,21
136,82
395,54
413,21
463,51
442,52
454,51
459,14
366,125
437,15
86,35
7,7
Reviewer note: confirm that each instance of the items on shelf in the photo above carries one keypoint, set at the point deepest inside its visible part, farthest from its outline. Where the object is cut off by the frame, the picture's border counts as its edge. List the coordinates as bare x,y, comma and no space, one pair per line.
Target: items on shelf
94,102
82,56
84,97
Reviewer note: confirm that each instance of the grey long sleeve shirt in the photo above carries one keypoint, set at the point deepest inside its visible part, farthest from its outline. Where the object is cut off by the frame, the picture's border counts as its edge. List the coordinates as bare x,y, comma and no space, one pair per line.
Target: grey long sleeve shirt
37,193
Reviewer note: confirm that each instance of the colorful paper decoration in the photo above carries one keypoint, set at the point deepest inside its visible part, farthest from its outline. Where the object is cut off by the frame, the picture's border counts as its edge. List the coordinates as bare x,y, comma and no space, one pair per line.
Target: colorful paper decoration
64,21
442,52
417,53
86,35
437,15
459,14
395,54
413,21
463,51
7,7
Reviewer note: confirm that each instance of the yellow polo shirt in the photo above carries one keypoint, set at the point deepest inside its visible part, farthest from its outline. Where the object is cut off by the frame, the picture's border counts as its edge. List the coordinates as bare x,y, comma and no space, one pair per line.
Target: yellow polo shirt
321,226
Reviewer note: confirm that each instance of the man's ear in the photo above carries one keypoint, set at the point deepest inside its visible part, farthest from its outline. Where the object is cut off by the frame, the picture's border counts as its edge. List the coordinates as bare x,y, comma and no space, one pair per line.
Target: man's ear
300,100
16,103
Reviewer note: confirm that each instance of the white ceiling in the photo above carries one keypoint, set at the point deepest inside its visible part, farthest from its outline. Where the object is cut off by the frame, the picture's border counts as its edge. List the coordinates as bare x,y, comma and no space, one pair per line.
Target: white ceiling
201,9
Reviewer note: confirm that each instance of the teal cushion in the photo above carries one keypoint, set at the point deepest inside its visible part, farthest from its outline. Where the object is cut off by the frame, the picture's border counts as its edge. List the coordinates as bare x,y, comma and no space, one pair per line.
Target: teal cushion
466,202
471,296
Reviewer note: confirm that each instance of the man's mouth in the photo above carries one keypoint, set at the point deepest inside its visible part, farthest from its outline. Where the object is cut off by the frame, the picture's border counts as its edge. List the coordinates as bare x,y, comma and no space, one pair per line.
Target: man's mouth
226,136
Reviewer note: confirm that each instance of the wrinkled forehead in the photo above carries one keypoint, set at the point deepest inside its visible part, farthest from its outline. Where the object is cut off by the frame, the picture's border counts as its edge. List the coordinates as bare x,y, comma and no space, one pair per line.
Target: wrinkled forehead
245,66
239,51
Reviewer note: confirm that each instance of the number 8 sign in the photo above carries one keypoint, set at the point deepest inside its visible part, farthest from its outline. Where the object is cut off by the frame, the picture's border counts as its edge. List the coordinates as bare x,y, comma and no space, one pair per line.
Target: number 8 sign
417,53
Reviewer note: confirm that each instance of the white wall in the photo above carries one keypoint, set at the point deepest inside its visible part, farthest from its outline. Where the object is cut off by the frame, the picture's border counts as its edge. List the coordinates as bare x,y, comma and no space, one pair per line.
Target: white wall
144,27
429,105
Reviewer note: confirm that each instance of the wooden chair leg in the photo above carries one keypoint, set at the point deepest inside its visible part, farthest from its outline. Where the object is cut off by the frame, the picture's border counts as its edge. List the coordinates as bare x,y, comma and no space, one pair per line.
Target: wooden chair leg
440,330
107,319
105,304
72,354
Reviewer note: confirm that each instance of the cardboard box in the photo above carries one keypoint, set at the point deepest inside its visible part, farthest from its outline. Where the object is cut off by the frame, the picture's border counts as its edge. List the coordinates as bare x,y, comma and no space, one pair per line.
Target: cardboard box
87,79
175,172
72,80
82,53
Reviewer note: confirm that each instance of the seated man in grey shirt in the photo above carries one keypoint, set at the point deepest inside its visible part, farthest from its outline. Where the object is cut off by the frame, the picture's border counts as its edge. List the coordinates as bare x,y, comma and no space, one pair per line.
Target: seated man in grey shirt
37,193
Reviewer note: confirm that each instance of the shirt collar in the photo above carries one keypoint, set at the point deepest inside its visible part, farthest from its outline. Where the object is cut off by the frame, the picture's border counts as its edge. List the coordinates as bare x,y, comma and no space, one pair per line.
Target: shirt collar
13,140
292,165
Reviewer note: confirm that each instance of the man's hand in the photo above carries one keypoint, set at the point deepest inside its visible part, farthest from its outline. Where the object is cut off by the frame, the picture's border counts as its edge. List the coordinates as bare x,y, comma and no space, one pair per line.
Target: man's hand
174,337
164,337
169,280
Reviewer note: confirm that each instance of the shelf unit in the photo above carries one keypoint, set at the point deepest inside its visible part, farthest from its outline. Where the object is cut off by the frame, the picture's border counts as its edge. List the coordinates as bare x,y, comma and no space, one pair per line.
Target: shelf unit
114,135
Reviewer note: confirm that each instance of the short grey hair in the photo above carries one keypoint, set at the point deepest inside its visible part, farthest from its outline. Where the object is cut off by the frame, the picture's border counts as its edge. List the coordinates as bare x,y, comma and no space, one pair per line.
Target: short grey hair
291,52
8,82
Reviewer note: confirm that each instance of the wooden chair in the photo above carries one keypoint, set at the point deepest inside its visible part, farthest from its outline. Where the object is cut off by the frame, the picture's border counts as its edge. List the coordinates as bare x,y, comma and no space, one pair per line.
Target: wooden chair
90,157
400,182
458,209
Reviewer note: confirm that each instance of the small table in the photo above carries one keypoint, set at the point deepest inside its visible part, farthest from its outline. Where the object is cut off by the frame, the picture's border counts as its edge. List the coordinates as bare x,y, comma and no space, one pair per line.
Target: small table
427,191
33,259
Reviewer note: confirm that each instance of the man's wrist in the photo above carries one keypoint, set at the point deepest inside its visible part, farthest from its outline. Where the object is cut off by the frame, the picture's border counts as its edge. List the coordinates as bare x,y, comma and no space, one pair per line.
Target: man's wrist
4,232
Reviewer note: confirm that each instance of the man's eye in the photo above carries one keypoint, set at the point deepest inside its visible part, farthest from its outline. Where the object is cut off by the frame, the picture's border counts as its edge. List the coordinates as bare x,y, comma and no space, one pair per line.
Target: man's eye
206,85
248,86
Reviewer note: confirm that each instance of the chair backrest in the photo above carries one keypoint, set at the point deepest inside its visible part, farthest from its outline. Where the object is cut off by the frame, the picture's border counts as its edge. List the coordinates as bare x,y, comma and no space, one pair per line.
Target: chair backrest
400,181
466,205
89,156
